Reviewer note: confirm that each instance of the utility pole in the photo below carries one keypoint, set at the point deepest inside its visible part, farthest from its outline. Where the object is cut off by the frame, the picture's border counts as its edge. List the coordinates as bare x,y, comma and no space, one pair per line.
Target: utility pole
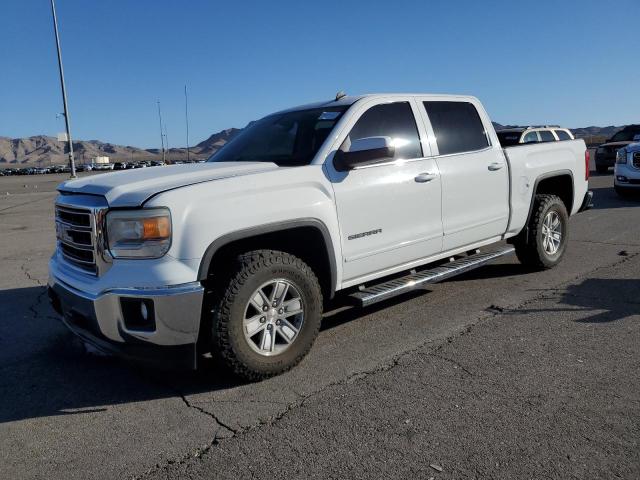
186,117
166,140
67,122
161,133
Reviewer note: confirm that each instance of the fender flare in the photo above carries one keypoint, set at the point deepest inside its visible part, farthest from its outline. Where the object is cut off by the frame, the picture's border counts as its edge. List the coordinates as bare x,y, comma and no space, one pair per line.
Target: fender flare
545,176
228,238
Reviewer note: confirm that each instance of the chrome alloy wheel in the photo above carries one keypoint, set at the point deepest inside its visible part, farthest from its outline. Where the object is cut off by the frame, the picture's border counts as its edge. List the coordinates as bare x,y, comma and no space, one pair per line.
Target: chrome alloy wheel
273,317
551,233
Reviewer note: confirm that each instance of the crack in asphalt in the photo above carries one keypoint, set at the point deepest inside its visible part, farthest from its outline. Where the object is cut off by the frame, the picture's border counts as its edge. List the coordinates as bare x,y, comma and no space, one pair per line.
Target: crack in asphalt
615,244
27,273
452,361
23,204
362,375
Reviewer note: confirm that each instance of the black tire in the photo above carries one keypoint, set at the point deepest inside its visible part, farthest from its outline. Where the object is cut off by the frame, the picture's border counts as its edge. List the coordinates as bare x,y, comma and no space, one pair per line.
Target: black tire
253,269
602,169
529,244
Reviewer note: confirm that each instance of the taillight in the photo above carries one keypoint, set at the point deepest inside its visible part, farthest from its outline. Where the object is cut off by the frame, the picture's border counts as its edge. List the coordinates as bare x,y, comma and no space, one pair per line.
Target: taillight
586,164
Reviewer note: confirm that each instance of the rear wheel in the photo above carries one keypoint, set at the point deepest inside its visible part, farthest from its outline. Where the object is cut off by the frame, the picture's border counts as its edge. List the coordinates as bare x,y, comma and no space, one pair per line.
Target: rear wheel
269,315
543,244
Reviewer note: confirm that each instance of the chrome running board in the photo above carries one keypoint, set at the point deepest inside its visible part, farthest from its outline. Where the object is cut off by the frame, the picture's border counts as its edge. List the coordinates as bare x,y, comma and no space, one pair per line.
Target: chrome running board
391,288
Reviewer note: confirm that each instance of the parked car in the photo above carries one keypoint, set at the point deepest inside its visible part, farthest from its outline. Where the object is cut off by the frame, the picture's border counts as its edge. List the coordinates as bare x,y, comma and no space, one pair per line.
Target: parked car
606,153
534,134
84,167
370,196
120,166
40,170
626,171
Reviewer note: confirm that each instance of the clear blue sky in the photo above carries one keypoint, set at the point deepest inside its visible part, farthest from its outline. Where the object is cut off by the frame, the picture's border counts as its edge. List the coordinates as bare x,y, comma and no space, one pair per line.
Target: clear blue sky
576,63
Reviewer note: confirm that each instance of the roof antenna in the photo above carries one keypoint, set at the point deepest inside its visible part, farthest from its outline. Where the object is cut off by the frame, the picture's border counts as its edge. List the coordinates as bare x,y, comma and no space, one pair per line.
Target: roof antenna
340,94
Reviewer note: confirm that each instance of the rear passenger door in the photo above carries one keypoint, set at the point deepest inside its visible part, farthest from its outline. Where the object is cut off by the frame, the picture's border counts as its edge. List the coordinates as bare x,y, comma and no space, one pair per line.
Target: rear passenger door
473,169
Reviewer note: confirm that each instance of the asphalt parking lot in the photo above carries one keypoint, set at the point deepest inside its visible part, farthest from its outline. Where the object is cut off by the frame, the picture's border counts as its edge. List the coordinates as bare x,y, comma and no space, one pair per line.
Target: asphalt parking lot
501,373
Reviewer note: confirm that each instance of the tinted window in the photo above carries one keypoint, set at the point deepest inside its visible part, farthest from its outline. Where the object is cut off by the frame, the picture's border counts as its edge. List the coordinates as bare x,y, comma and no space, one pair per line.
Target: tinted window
393,120
547,136
530,137
286,139
508,139
562,135
457,127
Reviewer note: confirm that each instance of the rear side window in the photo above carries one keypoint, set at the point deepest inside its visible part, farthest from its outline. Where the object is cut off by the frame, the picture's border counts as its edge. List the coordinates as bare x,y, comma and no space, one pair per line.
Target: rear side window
547,136
530,137
393,120
457,127
562,135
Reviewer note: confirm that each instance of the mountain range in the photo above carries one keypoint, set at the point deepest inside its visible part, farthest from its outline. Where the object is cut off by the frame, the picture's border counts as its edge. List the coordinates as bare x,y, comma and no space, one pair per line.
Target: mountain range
45,150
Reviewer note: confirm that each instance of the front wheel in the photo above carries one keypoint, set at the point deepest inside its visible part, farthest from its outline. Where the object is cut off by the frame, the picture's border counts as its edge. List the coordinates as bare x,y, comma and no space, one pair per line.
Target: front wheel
269,316
545,242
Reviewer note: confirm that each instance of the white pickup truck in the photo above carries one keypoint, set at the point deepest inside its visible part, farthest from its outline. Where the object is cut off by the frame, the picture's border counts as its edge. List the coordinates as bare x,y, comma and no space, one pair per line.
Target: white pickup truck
372,195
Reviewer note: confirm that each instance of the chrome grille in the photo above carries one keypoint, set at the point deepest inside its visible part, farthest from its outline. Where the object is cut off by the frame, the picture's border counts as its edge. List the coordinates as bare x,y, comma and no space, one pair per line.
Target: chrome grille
76,237
636,159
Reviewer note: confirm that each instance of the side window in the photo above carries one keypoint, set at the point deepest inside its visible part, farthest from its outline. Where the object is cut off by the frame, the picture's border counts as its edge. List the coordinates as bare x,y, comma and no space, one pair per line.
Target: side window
547,136
562,135
530,137
457,127
395,120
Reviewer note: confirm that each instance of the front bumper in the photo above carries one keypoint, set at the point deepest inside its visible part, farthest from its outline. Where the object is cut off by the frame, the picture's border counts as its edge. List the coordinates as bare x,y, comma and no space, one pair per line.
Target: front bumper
112,322
626,176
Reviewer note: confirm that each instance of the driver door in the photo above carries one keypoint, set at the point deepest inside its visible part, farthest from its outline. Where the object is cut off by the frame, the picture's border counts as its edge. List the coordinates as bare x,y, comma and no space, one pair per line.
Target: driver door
389,213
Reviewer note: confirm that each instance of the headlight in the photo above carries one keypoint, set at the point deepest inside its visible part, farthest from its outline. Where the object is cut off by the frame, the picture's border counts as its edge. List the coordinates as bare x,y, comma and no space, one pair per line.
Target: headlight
621,156
142,233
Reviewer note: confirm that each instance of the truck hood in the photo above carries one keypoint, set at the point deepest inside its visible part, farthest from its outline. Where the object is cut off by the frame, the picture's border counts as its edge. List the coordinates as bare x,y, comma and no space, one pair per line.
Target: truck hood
131,188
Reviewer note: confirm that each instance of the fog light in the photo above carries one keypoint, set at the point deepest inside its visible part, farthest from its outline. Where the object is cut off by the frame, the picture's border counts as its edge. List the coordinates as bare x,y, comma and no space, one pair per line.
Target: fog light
138,314
622,178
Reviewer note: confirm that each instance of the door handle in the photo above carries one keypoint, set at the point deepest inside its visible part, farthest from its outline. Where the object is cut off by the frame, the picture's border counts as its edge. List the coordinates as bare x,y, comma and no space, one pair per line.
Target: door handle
425,177
495,166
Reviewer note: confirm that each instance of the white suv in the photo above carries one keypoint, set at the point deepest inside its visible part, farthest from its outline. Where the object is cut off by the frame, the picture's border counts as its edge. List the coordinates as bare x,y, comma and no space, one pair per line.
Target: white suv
547,133
626,172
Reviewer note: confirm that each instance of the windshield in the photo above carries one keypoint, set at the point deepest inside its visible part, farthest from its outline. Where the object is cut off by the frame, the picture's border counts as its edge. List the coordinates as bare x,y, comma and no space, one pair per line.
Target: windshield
625,135
508,139
289,139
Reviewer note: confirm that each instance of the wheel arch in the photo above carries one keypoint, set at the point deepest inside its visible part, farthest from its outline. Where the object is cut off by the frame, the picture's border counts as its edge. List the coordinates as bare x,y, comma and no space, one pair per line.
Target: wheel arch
560,183
299,237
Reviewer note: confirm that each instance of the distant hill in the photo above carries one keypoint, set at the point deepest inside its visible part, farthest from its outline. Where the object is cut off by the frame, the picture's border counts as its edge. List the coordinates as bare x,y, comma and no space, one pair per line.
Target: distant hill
44,150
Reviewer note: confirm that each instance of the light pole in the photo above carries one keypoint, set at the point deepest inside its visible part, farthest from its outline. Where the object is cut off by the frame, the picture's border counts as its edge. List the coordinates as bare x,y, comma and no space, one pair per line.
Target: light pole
64,92
186,117
161,133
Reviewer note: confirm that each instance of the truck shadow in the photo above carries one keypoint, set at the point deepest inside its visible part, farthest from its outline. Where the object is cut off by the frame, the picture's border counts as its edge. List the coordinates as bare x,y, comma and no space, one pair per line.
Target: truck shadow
46,371
601,300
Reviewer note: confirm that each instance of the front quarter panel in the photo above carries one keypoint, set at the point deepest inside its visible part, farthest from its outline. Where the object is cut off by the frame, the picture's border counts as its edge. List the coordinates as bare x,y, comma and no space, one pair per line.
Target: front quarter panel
203,213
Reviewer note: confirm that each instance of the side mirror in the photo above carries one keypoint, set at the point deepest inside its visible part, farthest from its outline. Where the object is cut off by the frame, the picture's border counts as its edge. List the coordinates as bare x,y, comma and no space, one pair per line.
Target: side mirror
364,151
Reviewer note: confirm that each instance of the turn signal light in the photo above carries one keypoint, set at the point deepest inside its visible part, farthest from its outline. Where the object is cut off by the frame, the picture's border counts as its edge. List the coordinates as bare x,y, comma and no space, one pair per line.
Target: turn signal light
156,228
